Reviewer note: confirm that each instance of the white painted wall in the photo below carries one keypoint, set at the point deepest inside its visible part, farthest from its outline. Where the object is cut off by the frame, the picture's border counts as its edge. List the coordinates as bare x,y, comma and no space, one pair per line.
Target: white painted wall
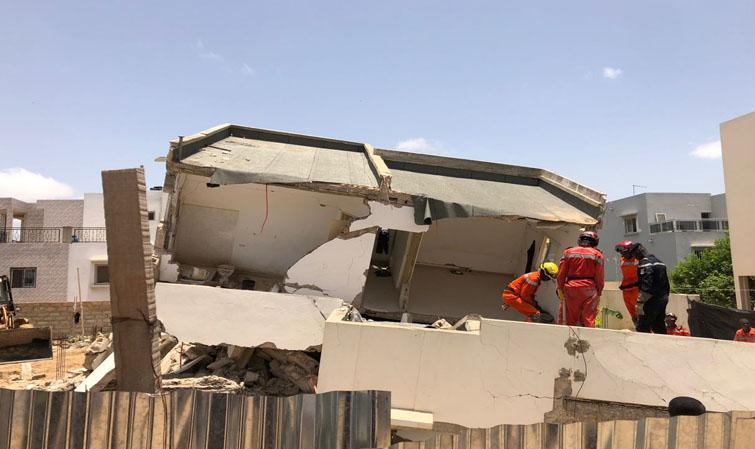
338,269
82,256
738,148
213,315
298,221
94,212
389,216
504,374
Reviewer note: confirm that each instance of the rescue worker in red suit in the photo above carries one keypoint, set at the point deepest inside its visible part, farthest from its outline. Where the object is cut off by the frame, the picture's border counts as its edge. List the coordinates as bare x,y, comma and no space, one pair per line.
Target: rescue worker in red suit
672,328
580,281
630,283
520,293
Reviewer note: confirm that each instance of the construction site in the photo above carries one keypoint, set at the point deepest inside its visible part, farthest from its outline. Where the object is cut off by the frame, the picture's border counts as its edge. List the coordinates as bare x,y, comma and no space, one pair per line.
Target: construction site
290,291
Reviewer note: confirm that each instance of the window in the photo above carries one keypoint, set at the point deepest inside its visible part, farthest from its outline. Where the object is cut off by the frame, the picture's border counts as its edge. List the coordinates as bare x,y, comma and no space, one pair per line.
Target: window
23,277
698,251
660,217
101,274
151,215
705,215
630,224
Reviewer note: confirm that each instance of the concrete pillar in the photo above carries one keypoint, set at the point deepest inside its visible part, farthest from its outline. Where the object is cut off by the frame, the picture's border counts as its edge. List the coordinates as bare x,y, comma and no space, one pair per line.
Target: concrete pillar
132,283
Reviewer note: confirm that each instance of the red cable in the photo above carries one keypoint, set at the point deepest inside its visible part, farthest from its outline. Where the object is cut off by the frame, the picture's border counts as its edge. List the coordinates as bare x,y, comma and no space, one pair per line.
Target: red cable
267,209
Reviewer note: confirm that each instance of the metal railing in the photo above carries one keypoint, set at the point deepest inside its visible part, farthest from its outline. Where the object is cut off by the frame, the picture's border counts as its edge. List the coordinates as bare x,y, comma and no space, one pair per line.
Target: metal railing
30,235
698,225
89,235
53,235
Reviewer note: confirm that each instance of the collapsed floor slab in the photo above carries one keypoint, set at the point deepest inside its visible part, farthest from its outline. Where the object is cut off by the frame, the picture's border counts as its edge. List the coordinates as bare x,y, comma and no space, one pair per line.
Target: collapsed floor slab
508,370
212,316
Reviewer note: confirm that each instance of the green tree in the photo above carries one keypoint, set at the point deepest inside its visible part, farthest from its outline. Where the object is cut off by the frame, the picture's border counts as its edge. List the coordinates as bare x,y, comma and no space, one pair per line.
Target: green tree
709,275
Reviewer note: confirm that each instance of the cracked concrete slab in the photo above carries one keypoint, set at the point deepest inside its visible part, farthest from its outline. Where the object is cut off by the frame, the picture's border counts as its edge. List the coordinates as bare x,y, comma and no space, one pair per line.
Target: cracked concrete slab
388,216
507,369
337,268
213,315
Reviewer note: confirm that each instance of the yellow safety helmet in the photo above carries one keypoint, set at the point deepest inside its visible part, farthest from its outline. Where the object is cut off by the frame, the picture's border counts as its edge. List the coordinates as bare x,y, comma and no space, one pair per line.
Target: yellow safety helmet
548,271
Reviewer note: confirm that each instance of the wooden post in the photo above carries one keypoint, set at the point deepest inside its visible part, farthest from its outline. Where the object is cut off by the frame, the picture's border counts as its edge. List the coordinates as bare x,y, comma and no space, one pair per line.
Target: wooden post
132,282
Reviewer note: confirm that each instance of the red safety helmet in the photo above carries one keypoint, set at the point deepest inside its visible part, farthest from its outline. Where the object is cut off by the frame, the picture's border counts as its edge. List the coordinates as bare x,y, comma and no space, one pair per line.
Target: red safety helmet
624,247
588,238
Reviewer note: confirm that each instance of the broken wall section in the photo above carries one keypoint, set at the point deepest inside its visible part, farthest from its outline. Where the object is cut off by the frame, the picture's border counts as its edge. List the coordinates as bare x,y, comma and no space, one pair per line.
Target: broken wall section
257,228
508,369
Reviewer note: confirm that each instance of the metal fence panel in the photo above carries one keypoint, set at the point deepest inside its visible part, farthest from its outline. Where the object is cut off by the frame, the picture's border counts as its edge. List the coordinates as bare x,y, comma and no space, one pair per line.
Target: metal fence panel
191,419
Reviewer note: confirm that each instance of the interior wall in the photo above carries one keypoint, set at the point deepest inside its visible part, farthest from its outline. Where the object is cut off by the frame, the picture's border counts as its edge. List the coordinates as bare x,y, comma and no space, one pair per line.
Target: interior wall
481,244
398,256
336,269
274,229
495,251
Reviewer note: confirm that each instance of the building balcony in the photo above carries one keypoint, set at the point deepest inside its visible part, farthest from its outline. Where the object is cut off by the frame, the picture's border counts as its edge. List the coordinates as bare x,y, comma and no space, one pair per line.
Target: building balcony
693,225
53,235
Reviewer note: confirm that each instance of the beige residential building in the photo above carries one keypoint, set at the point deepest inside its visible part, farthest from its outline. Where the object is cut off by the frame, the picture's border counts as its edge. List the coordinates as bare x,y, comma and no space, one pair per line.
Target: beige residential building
55,250
738,147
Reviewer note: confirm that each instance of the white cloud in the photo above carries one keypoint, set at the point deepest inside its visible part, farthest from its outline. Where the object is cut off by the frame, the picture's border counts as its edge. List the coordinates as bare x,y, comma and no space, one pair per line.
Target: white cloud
611,73
204,53
710,150
421,145
246,70
24,185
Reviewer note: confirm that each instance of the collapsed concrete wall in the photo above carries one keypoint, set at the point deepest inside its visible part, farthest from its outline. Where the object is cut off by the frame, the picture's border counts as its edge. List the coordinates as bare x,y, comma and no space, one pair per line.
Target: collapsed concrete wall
508,369
256,228
337,268
212,316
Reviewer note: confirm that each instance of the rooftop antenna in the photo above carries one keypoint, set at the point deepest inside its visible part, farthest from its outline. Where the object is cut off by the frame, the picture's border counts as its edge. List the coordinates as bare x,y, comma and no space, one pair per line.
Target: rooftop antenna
635,187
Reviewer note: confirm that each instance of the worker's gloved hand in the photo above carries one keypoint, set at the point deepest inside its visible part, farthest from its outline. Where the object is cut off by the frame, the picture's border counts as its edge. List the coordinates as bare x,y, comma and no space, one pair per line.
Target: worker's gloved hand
560,294
535,317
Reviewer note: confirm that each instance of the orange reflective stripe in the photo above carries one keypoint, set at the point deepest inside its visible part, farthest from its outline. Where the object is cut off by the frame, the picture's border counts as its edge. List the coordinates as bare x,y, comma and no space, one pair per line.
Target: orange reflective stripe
630,264
585,256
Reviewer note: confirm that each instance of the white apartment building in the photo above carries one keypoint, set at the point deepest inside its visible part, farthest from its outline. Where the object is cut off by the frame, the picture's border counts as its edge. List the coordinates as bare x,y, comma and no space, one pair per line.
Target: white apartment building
56,250
670,225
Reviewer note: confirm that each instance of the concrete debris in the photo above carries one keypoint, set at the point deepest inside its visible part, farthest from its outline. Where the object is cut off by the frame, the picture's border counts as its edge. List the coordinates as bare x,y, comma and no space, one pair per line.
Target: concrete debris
260,370
207,383
98,351
441,324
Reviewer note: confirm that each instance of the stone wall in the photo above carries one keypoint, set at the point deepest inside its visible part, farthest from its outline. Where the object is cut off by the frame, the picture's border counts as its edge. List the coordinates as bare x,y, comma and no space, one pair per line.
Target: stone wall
59,316
51,262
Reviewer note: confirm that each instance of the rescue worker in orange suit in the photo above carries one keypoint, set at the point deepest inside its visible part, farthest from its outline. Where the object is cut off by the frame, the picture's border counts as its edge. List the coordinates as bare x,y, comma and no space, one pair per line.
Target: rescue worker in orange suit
746,333
580,281
630,283
520,293
672,328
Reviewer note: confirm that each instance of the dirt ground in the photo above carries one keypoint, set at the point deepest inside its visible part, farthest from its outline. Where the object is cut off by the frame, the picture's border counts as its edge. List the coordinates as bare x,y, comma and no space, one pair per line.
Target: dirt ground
43,370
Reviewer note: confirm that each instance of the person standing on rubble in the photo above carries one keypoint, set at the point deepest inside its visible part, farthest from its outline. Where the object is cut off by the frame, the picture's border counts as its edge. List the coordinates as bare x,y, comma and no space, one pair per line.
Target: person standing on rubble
672,328
520,293
580,281
746,333
654,291
630,282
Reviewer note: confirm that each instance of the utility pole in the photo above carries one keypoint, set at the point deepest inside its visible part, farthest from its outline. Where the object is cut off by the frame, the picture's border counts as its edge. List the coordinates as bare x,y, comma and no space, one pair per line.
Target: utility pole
635,187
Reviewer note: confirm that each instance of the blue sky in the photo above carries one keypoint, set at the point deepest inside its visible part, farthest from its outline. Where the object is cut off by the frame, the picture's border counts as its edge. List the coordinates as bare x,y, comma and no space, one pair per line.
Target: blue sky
605,93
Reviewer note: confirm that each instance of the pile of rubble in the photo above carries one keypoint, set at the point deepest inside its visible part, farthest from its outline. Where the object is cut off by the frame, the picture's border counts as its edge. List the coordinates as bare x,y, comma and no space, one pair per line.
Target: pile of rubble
260,370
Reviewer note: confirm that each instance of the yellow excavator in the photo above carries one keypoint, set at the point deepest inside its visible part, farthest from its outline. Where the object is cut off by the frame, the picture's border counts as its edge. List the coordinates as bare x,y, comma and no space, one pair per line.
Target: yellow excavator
19,340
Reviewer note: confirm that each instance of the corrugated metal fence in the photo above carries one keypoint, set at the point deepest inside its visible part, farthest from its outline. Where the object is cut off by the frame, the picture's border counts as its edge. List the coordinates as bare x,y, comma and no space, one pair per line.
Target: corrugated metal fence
191,419
734,430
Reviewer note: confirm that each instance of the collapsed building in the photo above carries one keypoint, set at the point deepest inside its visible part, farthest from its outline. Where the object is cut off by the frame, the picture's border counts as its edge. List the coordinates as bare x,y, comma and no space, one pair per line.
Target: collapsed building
393,234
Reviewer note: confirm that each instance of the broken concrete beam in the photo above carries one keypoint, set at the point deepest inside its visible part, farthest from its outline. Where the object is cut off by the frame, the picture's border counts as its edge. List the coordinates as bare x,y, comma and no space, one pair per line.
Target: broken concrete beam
294,374
132,296
243,317
219,364
101,376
